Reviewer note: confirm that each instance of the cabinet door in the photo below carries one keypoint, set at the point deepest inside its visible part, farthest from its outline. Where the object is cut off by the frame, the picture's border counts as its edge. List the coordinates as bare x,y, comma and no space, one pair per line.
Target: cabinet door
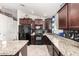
63,17
33,25
29,22
33,41
48,25
23,22
46,40
26,21
73,15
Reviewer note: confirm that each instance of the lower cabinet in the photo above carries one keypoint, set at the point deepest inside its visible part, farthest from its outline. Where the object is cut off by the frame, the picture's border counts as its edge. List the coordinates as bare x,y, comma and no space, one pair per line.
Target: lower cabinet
46,40
56,52
53,50
33,41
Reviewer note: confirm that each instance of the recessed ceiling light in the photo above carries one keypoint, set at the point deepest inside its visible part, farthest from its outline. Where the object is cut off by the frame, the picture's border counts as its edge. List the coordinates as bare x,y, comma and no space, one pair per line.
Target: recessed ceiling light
32,12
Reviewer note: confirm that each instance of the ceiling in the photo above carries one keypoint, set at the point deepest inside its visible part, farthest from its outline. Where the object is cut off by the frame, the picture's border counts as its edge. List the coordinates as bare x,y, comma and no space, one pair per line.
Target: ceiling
40,9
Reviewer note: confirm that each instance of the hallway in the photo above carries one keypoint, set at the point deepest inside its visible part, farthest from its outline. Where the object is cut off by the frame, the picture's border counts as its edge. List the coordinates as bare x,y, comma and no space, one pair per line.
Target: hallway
37,50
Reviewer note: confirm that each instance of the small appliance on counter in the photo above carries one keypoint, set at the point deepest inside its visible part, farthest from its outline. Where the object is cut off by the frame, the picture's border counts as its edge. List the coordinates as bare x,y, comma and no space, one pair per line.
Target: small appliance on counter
61,34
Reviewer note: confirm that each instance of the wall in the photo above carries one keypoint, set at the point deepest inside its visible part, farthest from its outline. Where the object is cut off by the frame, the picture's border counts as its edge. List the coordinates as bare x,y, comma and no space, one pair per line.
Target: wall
8,28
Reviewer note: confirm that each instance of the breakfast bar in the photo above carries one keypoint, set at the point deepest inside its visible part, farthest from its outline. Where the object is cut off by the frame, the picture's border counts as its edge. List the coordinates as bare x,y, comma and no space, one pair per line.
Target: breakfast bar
12,48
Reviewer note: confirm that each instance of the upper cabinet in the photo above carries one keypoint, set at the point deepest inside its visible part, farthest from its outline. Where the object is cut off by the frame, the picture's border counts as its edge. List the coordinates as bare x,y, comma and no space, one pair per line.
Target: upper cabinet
38,22
69,16
73,15
63,17
25,21
48,24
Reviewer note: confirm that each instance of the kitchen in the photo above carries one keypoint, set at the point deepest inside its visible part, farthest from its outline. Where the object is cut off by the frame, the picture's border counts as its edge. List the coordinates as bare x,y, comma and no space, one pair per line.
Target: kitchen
39,29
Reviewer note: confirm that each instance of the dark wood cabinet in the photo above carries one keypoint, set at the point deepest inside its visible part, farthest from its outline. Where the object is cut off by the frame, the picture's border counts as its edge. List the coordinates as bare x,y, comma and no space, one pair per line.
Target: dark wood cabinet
48,24
38,22
46,40
33,25
69,16
33,41
25,21
52,49
73,10
63,17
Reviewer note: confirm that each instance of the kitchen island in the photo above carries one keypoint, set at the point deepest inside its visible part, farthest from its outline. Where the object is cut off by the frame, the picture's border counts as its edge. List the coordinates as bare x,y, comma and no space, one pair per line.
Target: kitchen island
65,46
12,48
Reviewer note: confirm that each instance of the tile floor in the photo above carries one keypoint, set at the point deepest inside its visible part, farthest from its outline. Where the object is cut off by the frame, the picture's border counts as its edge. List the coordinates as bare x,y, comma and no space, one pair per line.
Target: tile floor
37,50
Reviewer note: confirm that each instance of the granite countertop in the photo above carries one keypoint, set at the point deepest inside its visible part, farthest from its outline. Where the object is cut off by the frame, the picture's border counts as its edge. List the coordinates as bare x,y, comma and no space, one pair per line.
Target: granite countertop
66,46
11,47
